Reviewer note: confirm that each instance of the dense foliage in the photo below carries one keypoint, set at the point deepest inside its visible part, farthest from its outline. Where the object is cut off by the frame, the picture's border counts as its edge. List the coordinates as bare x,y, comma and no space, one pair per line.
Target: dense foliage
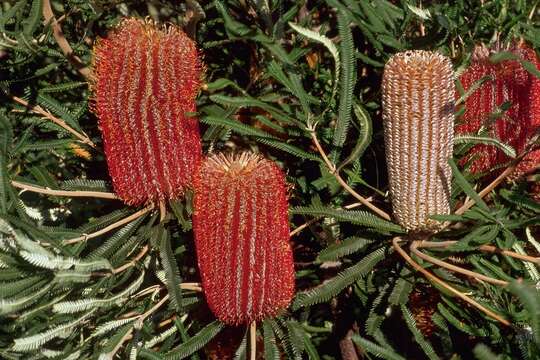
88,277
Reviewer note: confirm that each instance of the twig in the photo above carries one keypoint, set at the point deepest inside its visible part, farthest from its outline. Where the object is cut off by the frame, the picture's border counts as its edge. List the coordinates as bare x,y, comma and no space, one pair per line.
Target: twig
39,110
139,256
162,211
468,204
47,191
113,226
451,267
486,248
138,324
253,340
415,265
314,220
61,40
343,183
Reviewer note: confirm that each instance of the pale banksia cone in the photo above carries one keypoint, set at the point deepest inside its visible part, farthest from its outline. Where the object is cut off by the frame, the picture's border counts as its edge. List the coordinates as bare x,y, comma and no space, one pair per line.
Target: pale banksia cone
418,115
146,79
509,82
242,237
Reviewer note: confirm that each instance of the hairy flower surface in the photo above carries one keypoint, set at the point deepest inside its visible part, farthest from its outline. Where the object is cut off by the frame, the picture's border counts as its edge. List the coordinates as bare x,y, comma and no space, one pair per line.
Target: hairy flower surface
242,237
509,83
145,82
418,106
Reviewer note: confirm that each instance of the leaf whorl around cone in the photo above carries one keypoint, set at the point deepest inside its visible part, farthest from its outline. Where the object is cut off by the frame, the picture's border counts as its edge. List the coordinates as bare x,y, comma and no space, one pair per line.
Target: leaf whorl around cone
510,83
418,115
145,80
241,231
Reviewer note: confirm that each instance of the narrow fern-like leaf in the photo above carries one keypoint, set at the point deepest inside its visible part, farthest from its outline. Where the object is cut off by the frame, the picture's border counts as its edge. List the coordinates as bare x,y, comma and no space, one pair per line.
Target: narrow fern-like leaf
332,287
172,274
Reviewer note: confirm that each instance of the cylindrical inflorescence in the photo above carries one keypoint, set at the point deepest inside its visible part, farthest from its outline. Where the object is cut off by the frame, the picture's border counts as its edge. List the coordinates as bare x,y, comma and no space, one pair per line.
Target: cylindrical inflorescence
418,116
145,82
241,231
512,86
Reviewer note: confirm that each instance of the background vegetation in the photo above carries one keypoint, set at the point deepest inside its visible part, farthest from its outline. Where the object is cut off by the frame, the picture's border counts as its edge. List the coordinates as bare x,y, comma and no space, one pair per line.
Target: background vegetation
274,69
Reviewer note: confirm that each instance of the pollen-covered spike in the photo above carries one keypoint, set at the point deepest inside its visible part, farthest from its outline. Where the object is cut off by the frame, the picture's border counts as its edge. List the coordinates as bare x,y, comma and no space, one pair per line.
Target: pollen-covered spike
511,86
418,116
242,237
145,81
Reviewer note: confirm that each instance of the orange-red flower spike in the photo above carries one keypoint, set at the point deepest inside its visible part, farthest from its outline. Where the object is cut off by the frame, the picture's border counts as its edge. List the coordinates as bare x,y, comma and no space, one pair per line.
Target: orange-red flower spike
512,83
145,81
242,237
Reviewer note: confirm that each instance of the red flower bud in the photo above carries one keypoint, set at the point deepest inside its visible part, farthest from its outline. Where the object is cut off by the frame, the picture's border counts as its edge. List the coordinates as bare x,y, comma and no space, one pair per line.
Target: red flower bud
510,83
242,237
146,79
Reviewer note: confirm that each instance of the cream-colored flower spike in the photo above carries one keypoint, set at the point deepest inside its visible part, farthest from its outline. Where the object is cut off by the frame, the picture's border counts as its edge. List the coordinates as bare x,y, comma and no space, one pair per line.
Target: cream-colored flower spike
418,114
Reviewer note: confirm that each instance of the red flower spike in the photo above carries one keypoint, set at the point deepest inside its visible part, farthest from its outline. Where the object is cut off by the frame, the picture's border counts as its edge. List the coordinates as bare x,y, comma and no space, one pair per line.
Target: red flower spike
146,79
242,237
510,82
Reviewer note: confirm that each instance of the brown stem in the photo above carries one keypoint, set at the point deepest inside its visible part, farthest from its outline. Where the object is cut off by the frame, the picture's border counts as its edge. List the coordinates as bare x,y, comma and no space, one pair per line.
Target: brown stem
435,279
451,267
162,211
253,340
40,111
486,248
113,226
139,256
47,191
343,183
61,40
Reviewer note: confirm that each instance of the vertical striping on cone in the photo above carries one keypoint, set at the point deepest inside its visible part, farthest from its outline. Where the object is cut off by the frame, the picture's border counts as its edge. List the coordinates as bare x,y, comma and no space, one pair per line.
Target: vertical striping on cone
418,115
241,231
145,81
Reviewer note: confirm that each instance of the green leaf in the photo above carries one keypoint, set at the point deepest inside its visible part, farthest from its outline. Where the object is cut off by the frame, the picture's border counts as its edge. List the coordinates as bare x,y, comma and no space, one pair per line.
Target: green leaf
352,216
473,139
291,149
402,289
168,261
376,350
271,351
331,288
482,352
466,187
4,183
61,263
420,340
364,136
344,248
530,298
70,307
194,343
15,304
235,126
36,341
32,21
347,81
312,35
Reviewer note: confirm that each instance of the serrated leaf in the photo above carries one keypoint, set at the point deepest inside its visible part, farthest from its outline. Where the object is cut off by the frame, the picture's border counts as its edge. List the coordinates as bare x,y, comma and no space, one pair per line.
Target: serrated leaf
352,216
332,287
172,274
344,248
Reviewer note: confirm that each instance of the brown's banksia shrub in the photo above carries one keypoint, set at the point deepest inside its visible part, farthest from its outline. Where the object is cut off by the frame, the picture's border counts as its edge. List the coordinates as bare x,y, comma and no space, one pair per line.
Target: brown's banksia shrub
241,231
145,81
510,82
418,116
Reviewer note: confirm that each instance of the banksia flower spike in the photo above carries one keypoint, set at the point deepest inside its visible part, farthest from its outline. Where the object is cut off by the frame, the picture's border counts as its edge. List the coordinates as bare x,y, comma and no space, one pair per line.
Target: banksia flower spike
418,116
242,237
145,81
509,82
